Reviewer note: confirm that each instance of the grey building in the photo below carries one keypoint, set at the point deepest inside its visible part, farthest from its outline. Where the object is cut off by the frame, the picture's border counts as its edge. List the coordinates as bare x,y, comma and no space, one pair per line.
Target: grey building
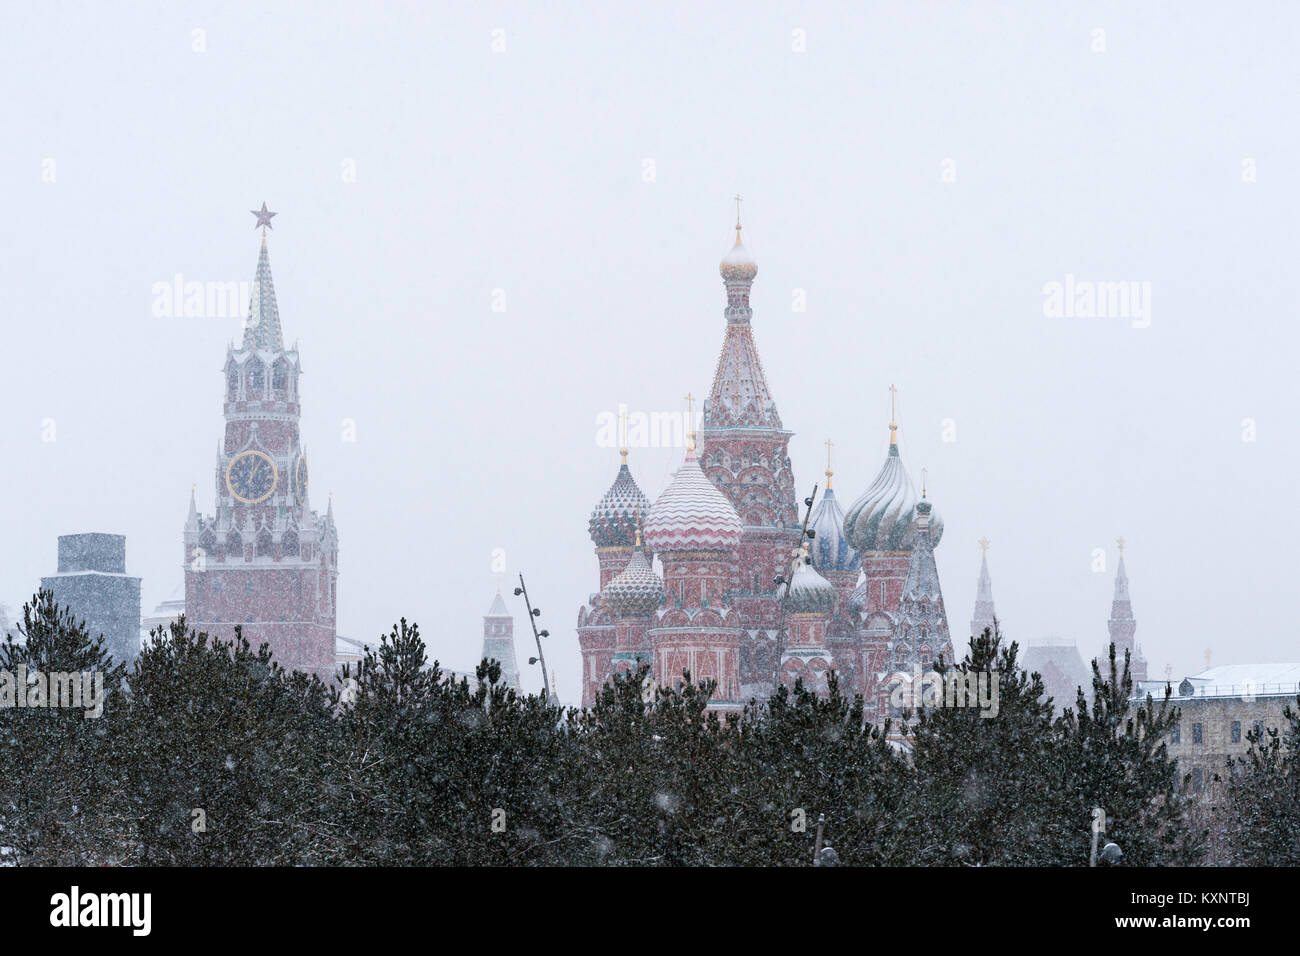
93,582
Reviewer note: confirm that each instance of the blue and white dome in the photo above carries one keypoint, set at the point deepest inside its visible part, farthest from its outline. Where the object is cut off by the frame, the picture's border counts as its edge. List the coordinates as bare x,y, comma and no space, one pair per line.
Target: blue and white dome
884,518
830,550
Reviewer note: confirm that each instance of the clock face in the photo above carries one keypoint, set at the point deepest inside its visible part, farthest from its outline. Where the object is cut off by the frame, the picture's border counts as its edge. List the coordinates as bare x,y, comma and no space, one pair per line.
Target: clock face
300,480
251,477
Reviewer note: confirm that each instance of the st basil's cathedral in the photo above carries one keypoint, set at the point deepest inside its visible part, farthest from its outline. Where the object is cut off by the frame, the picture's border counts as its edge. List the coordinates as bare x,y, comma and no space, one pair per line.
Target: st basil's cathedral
864,596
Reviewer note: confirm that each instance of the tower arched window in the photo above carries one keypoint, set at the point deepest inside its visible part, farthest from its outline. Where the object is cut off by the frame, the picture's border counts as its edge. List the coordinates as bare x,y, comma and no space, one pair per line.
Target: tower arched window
234,545
208,542
264,544
232,384
256,379
279,376
289,544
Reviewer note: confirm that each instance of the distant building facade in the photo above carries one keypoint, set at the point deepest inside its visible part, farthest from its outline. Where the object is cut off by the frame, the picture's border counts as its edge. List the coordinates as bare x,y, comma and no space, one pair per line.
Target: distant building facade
92,582
1219,708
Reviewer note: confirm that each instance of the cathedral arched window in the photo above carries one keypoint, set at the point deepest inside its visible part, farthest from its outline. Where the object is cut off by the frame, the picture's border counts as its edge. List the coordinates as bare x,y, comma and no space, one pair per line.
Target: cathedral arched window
232,384
208,542
264,544
279,376
289,544
256,379
234,545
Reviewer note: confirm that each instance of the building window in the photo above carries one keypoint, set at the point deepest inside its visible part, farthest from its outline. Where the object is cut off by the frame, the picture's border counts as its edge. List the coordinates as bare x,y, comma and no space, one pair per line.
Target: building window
1197,736
248,584
1176,734
256,379
1198,780
1236,731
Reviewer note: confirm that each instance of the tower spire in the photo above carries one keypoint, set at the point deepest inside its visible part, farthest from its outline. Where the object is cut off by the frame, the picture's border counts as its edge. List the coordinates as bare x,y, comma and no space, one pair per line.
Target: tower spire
1122,624
262,330
985,615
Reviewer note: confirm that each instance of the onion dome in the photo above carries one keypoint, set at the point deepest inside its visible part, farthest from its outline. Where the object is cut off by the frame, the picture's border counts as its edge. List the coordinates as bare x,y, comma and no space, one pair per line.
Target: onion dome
692,514
613,520
831,551
636,590
810,593
884,518
738,265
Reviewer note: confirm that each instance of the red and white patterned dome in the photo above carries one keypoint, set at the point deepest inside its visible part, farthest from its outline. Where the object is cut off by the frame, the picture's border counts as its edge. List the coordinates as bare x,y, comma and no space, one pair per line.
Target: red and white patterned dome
692,514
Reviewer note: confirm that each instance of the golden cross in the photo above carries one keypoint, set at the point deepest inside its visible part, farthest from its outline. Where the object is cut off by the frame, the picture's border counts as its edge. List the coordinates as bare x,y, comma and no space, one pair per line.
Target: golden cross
1119,543
892,392
622,421
923,474
984,545
737,197
829,443
690,422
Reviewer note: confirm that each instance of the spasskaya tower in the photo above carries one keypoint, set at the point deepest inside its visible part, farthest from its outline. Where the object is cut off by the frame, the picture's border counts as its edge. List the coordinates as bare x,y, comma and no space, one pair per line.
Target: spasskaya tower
264,559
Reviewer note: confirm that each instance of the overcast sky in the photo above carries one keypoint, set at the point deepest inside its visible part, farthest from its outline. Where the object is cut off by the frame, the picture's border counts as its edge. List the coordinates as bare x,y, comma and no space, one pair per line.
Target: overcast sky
921,171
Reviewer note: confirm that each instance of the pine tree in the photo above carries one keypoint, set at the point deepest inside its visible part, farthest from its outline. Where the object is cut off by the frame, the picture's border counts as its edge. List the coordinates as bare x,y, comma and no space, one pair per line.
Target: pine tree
983,790
221,756
56,791
1117,758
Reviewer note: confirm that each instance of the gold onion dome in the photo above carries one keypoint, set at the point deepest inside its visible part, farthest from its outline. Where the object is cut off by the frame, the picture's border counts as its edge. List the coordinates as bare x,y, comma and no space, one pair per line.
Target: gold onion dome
738,265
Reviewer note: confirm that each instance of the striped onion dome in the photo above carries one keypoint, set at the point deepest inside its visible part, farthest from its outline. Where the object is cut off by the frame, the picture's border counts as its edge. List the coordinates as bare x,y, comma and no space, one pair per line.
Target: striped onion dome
810,593
883,519
636,590
692,514
613,520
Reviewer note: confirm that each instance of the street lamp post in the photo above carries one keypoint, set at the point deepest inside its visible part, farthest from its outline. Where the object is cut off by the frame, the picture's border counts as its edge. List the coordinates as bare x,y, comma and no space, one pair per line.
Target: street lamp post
533,614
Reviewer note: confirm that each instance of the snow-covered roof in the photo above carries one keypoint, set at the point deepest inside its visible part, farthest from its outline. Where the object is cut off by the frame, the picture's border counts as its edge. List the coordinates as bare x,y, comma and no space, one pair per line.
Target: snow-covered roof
692,514
1232,680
